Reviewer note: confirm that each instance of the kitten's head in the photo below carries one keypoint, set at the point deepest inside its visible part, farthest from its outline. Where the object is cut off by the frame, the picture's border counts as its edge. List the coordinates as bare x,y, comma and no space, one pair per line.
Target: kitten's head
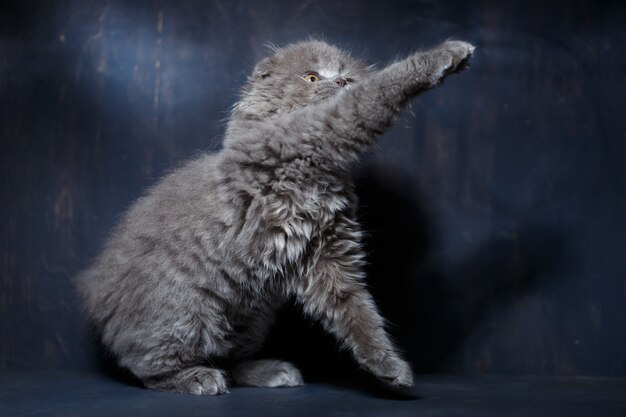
296,76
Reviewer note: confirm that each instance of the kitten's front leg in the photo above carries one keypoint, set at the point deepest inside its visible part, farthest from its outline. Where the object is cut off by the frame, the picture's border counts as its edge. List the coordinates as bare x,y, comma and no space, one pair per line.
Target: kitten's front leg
349,123
333,291
394,85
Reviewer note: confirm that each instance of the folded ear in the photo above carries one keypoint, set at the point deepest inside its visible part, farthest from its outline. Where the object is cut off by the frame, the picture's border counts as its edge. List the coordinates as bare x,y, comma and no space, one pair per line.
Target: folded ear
262,69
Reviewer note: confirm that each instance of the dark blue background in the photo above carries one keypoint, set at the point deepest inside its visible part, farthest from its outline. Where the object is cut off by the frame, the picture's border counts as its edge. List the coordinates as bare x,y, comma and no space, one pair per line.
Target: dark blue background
496,207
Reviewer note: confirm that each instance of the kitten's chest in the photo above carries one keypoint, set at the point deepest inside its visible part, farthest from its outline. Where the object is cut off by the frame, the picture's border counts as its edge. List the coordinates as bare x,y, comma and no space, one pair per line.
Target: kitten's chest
295,221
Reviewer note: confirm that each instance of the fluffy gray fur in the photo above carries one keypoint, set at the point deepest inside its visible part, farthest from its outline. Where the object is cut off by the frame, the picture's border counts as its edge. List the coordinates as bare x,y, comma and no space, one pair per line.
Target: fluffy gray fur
196,269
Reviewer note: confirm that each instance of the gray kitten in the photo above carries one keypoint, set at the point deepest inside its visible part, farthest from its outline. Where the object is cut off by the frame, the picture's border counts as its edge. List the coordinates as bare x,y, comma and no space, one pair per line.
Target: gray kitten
196,269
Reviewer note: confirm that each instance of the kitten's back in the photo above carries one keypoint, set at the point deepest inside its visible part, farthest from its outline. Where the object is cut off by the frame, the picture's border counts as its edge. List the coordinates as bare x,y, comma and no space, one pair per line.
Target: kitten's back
149,235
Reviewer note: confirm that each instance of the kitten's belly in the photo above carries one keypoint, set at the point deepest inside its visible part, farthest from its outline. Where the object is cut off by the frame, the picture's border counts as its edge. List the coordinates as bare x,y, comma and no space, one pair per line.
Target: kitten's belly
251,320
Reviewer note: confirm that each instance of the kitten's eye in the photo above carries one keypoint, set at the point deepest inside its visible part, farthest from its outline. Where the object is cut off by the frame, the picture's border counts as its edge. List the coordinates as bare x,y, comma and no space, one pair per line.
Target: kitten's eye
311,76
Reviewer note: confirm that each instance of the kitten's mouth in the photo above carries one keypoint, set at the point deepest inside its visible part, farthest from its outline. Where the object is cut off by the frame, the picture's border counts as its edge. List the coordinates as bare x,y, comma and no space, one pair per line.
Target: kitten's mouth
328,91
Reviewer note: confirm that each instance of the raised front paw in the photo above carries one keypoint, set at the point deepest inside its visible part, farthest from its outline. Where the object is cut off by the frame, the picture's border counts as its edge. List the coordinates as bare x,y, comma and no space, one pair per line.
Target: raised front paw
459,52
448,58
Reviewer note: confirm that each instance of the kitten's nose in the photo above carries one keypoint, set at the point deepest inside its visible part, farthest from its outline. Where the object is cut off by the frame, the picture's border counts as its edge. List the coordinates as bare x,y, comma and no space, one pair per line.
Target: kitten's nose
341,82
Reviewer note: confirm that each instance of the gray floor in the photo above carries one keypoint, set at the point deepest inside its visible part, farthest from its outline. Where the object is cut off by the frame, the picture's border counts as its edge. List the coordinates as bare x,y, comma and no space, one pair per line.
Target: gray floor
66,394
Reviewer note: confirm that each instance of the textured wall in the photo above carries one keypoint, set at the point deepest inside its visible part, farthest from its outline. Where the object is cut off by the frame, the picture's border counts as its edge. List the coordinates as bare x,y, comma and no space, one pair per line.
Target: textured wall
496,208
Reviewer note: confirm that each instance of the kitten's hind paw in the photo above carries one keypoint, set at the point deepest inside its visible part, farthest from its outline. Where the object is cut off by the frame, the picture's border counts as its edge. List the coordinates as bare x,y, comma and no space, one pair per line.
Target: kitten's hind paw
267,373
197,380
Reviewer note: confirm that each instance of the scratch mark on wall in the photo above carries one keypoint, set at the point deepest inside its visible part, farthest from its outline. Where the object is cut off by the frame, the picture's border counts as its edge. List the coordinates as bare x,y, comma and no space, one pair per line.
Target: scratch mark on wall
157,67
63,208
